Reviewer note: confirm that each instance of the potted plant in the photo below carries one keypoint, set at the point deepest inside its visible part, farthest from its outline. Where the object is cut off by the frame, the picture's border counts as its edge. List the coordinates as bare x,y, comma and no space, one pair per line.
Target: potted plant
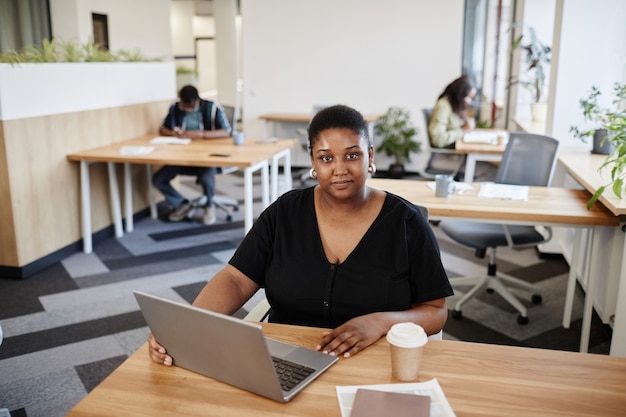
609,131
536,57
397,134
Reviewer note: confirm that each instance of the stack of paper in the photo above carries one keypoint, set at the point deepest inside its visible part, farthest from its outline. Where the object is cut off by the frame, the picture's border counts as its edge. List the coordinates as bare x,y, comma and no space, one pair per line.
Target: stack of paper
481,136
136,150
504,191
167,140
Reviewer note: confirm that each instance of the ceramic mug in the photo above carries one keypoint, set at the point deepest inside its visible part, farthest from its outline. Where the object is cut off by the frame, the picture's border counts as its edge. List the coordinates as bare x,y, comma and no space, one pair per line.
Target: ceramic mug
238,138
444,185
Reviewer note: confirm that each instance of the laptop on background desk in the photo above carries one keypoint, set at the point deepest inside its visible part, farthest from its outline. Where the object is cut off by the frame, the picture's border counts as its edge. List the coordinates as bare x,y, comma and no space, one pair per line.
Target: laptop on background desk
231,350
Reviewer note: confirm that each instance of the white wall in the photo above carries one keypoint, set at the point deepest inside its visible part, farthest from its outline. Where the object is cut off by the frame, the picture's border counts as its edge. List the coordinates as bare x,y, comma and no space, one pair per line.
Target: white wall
364,53
592,52
136,24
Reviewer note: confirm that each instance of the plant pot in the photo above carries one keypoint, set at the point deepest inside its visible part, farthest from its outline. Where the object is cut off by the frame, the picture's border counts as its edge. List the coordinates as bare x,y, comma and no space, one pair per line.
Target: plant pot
539,111
396,170
599,147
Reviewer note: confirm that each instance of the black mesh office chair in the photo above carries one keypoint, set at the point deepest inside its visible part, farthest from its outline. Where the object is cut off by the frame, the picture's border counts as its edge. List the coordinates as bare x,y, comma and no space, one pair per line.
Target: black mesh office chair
440,160
226,204
528,160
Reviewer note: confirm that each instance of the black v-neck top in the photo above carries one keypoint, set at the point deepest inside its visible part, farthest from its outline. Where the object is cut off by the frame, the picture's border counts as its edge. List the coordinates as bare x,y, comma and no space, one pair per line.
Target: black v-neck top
396,263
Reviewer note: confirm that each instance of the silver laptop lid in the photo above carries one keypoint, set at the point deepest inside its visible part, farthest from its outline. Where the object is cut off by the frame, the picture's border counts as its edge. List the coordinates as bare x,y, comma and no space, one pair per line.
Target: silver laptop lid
223,347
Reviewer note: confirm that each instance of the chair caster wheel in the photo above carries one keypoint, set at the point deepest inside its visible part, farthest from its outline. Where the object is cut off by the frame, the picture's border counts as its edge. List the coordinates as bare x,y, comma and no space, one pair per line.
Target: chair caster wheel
229,218
536,299
522,320
457,314
236,208
490,290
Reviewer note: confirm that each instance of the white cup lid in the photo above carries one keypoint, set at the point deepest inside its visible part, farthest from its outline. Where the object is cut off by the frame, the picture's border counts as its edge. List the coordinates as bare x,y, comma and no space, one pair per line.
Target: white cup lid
407,335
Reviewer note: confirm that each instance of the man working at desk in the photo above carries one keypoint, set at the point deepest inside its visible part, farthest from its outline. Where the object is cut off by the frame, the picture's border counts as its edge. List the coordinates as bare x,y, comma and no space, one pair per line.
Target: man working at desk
197,119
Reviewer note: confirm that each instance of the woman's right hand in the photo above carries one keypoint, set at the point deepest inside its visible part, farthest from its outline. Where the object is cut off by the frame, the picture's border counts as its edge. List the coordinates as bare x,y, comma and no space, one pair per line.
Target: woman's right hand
158,353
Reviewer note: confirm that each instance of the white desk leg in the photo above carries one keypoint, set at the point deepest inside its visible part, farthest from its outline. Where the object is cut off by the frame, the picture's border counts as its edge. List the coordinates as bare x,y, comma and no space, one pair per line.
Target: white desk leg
618,339
115,200
286,154
588,307
576,262
151,195
128,199
274,178
248,194
85,204
287,170
265,184
470,167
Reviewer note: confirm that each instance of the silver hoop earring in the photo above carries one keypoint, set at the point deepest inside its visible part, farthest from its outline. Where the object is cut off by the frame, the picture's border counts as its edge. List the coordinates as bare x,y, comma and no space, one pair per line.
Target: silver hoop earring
313,173
372,168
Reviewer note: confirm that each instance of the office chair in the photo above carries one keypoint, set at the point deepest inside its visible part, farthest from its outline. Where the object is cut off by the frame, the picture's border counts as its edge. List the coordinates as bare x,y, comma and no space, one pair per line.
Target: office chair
226,204
528,159
430,170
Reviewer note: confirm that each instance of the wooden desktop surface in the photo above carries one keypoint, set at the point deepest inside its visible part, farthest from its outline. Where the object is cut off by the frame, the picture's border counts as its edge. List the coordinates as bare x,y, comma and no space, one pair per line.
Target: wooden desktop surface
545,205
585,168
302,117
200,152
478,380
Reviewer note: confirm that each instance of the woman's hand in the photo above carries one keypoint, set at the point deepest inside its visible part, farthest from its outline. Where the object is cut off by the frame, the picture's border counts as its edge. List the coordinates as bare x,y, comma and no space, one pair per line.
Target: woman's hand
469,124
158,353
353,336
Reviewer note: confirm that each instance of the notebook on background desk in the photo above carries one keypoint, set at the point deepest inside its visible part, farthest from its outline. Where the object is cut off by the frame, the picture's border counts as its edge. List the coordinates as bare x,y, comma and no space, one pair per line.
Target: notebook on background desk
229,349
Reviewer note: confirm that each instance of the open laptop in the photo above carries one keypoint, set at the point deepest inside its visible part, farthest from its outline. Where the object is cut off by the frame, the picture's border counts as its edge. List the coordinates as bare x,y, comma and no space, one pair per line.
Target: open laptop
231,350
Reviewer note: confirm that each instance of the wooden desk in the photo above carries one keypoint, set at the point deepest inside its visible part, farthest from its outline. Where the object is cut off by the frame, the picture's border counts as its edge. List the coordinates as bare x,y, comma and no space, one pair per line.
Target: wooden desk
548,206
302,117
475,152
584,167
250,157
478,380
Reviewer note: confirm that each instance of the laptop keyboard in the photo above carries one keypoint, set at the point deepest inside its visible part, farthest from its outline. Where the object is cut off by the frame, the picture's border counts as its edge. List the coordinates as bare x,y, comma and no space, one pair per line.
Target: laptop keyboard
290,374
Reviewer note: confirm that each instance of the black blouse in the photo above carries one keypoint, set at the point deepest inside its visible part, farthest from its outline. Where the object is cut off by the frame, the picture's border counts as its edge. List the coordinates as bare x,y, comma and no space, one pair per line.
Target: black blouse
395,265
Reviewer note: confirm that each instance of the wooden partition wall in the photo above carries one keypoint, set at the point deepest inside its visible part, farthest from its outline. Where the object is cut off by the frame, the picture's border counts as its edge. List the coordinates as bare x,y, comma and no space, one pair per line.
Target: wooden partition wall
40,212
47,111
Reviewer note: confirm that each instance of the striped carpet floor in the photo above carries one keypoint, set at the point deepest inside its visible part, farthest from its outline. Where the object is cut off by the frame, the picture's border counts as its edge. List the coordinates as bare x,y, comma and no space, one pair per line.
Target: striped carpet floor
68,327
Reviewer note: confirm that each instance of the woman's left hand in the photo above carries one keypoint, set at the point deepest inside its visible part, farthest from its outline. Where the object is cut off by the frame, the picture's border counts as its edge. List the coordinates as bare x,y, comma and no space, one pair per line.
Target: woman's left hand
352,336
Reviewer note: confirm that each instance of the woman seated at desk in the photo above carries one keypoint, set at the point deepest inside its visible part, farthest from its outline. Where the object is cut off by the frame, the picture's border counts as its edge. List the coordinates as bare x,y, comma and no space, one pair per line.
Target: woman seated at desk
450,118
338,255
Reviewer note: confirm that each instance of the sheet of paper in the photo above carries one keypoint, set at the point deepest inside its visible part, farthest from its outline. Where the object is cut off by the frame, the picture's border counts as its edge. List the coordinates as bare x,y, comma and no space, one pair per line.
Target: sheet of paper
478,136
504,191
170,140
136,150
267,140
439,405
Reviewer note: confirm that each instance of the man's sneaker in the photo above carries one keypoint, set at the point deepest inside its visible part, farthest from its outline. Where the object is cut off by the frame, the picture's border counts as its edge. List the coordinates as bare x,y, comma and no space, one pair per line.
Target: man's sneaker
209,216
181,212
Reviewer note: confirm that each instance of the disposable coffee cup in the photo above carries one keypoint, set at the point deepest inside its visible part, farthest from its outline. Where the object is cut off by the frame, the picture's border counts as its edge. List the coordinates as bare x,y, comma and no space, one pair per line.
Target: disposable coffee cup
406,341
238,138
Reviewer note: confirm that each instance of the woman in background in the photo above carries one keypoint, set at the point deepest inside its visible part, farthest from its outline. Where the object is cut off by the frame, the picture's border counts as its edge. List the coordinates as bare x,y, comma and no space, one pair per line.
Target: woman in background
450,118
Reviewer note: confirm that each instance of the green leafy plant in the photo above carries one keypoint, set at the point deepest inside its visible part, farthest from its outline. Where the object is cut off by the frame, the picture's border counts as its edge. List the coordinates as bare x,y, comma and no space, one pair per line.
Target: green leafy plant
536,57
397,134
613,120
71,51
